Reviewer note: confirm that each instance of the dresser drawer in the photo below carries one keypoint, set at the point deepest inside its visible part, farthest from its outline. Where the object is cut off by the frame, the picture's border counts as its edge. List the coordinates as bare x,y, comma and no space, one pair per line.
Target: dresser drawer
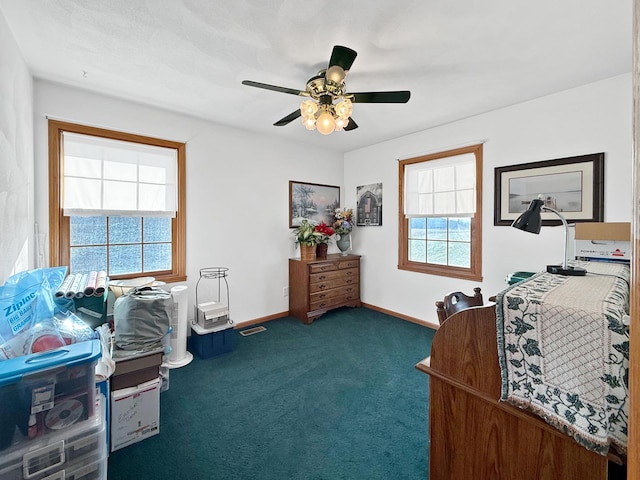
332,302
335,292
323,267
348,264
331,276
338,282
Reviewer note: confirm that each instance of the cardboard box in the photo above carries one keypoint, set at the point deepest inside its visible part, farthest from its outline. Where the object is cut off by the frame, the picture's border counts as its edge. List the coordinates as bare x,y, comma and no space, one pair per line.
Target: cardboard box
603,240
135,414
134,370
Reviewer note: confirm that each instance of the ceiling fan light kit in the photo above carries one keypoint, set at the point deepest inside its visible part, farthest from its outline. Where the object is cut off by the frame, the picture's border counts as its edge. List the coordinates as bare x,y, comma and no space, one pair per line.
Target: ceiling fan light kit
328,107
326,117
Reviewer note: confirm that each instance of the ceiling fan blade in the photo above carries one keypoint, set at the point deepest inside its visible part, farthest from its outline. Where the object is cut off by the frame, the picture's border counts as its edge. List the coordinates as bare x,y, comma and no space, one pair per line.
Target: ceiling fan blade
401,96
342,57
289,118
352,125
275,88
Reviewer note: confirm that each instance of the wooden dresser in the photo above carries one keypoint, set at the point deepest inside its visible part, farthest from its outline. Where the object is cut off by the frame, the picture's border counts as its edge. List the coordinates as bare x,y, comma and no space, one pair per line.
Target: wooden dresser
323,284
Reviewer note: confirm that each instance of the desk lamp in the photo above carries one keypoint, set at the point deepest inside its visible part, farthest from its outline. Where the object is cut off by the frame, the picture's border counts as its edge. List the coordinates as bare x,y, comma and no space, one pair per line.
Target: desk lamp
531,221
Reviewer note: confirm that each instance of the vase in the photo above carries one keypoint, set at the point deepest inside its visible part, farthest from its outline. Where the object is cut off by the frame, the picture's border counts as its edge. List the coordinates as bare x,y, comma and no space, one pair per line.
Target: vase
321,250
344,243
307,253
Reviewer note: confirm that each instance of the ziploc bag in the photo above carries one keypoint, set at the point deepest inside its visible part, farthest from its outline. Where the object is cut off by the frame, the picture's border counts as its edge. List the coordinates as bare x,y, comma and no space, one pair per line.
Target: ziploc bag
27,312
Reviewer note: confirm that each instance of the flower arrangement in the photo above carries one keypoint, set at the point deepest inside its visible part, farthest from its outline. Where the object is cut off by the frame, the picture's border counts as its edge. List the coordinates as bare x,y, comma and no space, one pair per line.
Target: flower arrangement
325,231
343,223
306,234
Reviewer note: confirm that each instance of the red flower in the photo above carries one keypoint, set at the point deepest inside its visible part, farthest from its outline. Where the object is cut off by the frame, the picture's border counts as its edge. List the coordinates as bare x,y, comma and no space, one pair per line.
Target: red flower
324,230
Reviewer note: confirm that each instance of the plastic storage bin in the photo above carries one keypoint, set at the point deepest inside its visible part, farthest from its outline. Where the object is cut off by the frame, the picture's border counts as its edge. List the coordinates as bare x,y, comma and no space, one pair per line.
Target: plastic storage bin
94,471
207,343
58,455
47,392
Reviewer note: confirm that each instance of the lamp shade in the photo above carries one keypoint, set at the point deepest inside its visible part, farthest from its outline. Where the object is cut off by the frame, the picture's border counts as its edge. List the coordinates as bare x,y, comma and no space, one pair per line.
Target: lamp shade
531,220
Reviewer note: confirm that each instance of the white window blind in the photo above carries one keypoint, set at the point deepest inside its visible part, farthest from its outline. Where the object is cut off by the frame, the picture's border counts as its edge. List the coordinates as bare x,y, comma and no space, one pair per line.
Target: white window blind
441,187
117,178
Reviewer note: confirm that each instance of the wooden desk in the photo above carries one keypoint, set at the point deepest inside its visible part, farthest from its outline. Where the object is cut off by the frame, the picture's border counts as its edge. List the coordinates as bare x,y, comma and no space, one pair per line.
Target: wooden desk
473,434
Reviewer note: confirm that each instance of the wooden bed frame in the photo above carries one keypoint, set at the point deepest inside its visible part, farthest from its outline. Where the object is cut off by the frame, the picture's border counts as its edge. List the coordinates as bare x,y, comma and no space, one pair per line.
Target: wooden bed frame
472,433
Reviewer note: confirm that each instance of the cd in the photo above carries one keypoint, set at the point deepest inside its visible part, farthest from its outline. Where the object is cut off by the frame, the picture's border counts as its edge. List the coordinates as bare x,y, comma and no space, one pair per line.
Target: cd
64,414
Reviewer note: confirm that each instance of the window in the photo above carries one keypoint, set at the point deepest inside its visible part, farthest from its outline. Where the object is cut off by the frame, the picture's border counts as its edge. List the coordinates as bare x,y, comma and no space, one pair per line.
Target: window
440,222
116,203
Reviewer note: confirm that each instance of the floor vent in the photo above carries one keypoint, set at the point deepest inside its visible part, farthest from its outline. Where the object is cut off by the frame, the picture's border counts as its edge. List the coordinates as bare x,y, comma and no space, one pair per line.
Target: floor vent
251,331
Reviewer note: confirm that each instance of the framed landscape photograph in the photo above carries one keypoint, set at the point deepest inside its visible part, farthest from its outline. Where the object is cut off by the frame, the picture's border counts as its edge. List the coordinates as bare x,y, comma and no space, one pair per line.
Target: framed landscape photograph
574,186
312,201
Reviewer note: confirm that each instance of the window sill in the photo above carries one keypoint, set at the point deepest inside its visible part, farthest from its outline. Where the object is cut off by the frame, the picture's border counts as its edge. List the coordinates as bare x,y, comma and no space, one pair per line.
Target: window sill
441,271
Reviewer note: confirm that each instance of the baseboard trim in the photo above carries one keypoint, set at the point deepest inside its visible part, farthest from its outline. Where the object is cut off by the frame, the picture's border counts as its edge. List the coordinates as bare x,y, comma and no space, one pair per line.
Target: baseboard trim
424,323
276,316
255,321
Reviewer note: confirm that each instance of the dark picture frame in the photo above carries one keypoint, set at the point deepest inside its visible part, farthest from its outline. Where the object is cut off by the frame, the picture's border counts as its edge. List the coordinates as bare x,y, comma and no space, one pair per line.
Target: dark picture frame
574,186
369,205
314,202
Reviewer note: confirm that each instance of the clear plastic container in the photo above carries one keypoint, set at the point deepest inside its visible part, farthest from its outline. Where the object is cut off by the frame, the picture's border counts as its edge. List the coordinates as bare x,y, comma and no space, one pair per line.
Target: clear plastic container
55,455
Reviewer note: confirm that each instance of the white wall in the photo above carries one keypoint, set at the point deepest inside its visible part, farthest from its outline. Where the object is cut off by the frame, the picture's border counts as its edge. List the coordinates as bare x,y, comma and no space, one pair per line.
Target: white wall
589,119
16,159
237,188
237,191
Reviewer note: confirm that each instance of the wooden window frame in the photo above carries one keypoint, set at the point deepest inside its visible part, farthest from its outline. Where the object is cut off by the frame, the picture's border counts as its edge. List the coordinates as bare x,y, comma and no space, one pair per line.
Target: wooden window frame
475,270
59,225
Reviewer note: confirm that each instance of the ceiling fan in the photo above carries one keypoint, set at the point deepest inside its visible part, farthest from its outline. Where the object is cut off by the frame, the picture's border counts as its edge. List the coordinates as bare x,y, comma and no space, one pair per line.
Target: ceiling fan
329,106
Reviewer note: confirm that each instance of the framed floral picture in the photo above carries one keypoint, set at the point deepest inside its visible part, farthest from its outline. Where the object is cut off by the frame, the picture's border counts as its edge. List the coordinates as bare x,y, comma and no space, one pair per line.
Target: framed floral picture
314,202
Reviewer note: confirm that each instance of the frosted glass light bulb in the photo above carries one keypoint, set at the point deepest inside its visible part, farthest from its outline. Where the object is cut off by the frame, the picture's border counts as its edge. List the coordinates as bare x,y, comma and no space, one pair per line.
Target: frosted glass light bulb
326,123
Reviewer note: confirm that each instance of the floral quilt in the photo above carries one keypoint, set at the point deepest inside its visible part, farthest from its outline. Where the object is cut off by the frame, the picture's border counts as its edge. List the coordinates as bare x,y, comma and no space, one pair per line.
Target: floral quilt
563,346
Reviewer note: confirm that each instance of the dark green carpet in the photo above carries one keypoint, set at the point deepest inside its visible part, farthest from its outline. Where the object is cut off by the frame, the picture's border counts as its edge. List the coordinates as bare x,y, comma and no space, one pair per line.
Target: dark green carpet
338,399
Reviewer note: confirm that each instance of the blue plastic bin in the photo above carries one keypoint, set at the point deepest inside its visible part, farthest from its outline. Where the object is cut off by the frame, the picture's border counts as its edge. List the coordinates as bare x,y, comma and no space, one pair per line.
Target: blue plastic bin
57,387
209,344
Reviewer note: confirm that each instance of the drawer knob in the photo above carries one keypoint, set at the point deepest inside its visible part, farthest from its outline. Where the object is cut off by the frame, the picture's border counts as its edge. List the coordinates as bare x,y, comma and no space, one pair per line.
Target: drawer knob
349,280
322,286
322,277
322,295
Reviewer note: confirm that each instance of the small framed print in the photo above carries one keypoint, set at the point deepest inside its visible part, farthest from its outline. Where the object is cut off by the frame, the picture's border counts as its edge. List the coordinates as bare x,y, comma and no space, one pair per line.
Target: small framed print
369,205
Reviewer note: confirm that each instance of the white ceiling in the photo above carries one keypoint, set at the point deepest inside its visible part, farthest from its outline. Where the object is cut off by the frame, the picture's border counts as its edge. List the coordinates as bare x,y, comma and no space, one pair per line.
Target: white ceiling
458,58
